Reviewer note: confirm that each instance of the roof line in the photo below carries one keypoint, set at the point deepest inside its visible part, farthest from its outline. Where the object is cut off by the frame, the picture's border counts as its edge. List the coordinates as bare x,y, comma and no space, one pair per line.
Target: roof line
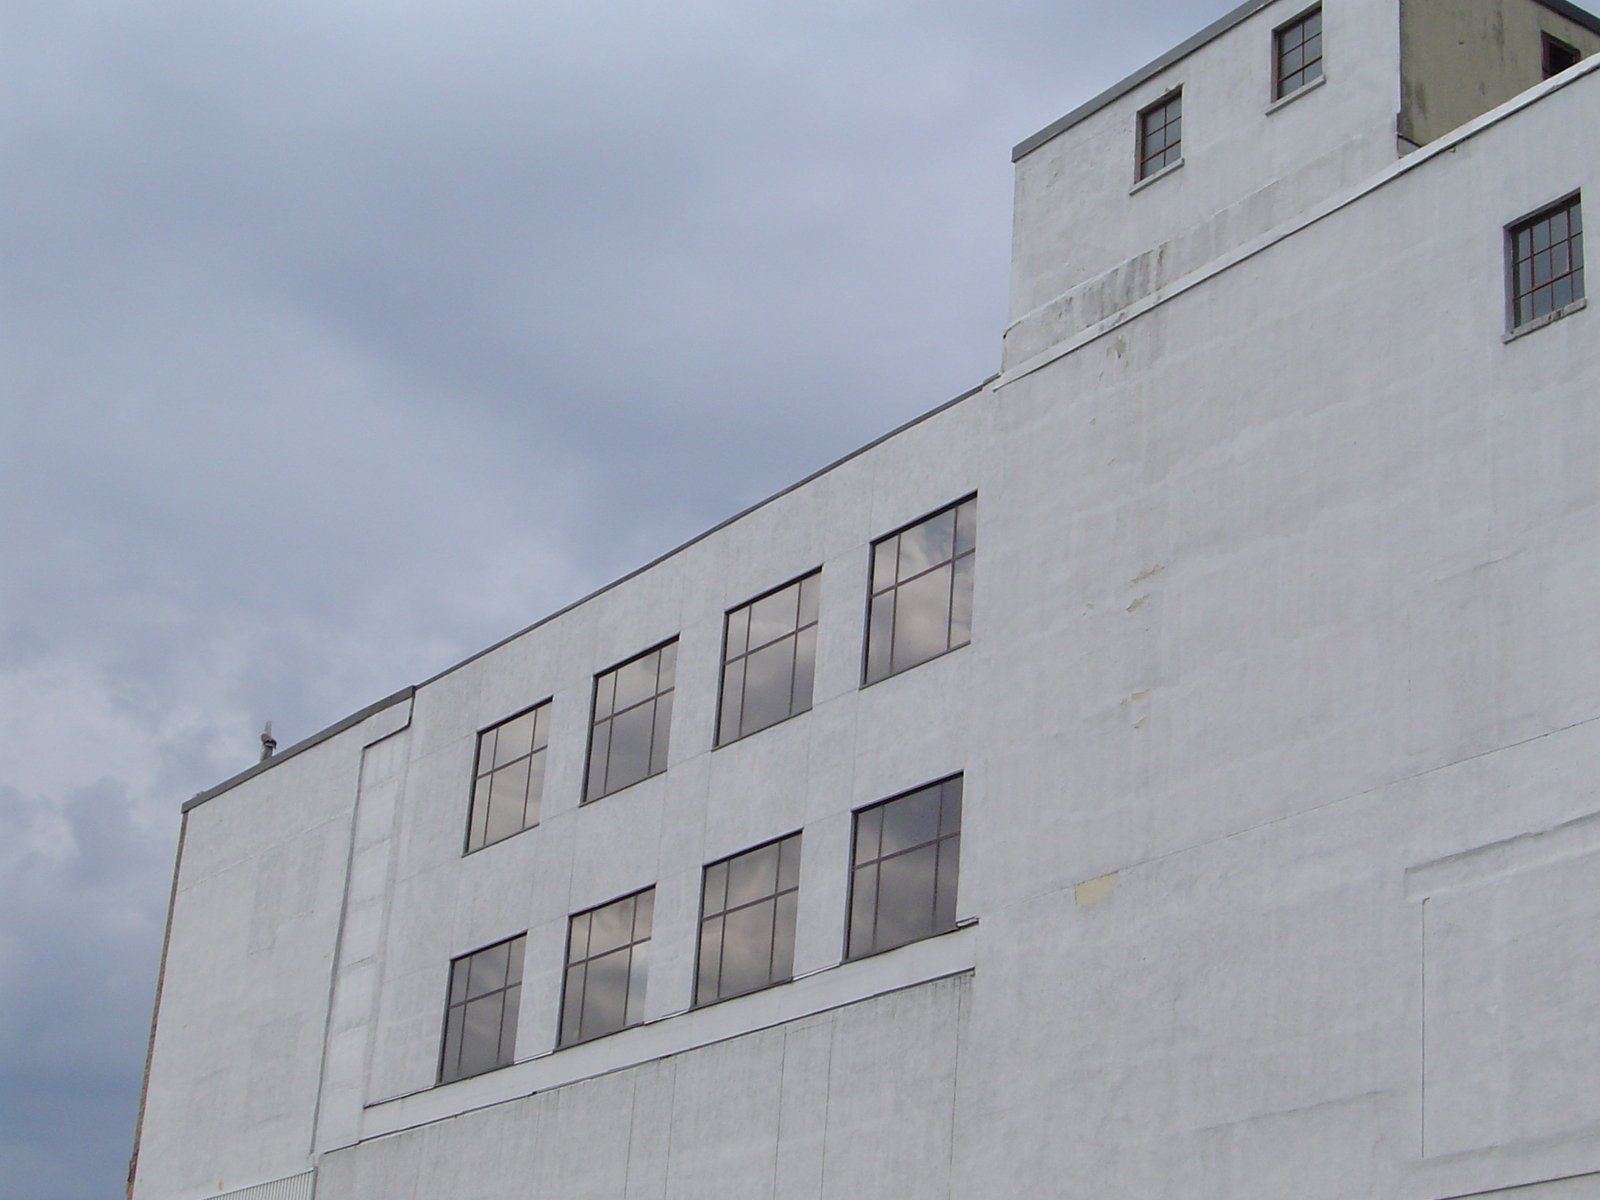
406,693
1578,16
304,744
1117,90
1216,29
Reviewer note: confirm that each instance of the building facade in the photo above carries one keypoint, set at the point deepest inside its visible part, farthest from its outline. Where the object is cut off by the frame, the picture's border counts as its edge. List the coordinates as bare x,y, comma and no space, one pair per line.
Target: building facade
1171,769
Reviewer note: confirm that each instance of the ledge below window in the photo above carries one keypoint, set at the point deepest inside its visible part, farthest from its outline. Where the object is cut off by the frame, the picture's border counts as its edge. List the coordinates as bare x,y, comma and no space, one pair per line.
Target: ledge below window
1161,174
1550,318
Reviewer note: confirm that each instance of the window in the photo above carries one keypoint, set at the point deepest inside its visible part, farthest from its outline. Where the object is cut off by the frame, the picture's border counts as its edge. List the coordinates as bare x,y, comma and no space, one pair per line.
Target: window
1558,56
1161,134
768,659
921,590
903,884
1297,53
632,712
608,953
1546,262
747,910
508,781
480,1016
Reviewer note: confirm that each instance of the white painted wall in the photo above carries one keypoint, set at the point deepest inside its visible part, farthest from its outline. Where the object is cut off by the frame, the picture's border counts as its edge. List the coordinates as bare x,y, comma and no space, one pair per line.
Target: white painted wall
1280,727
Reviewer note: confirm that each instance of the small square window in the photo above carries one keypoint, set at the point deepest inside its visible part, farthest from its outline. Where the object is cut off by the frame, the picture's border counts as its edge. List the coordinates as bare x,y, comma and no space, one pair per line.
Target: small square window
769,659
907,860
1161,134
1297,53
608,957
921,591
630,720
480,1016
1558,55
1546,259
747,918
508,781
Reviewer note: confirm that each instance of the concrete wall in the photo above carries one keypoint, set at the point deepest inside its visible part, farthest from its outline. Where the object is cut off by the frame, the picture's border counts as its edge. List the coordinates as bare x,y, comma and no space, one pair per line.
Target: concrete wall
1280,727
1459,58
1087,241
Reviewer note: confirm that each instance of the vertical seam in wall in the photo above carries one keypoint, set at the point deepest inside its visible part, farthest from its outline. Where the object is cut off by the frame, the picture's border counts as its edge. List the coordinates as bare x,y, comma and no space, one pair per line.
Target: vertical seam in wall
672,1127
633,1124
1422,1114
777,1141
955,1089
827,1109
338,954
391,871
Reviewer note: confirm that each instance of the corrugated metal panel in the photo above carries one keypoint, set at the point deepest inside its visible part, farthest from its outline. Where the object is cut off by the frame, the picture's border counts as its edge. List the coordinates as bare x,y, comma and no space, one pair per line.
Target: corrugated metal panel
295,1187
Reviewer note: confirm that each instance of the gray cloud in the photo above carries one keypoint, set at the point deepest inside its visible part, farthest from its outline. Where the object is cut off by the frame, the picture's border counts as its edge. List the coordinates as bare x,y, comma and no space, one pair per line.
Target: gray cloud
340,340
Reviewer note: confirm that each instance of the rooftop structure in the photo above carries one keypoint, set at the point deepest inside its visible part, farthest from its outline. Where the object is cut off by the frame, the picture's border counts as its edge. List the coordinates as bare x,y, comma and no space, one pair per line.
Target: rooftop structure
1167,770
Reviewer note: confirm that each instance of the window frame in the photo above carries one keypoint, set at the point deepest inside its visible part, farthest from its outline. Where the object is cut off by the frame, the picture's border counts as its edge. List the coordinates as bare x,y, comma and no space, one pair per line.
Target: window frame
780,890
1142,172
477,760
1571,203
856,866
449,1004
717,740
1278,92
872,554
654,701
1549,43
632,945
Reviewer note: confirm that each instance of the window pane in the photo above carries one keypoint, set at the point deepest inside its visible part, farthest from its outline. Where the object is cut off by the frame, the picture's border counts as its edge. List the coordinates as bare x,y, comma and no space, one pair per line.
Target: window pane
883,560
789,863
922,619
869,827
599,750
637,970
880,636
485,752
514,971
450,1066
774,616
944,904
710,961
911,820
508,1027
514,739
530,812
905,897
863,907
716,887
663,727
732,690
480,1035
768,681
605,688
488,970
578,938
459,970
605,994
572,1005
480,811
966,526
611,926
783,937
752,876
644,910
746,949
810,597
510,795
924,545
629,758
805,670
669,666
738,628
950,809
961,602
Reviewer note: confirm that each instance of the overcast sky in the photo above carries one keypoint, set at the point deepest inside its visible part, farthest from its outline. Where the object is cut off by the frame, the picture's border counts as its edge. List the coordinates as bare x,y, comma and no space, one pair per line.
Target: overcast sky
339,339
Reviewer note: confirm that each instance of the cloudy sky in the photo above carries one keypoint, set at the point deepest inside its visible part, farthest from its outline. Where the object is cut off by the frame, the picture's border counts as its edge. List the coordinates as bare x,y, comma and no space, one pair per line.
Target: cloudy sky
339,339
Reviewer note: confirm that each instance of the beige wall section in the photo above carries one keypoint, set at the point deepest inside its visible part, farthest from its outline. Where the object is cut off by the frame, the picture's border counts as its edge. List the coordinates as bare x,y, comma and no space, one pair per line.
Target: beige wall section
1460,58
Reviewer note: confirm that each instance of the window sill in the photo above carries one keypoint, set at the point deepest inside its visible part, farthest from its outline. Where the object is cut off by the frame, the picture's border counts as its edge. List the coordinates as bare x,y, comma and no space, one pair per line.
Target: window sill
1149,179
1549,318
1283,101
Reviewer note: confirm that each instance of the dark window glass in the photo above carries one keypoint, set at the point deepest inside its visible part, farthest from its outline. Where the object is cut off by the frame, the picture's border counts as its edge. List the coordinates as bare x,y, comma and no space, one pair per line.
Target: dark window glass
632,713
1547,262
1558,55
480,1019
509,780
1297,53
907,856
747,914
921,591
608,956
1161,134
769,659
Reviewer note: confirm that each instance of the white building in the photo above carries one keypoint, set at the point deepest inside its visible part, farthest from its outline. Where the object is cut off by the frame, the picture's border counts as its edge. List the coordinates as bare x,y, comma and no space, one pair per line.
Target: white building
1242,735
